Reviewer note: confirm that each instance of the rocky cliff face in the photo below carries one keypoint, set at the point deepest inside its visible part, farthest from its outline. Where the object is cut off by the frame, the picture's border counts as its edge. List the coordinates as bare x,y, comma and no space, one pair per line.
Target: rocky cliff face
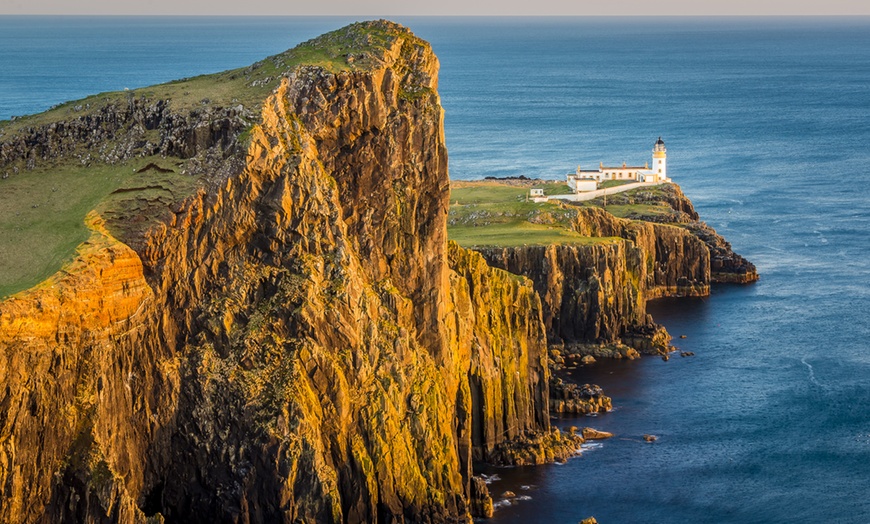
508,374
293,343
120,130
725,264
297,341
597,293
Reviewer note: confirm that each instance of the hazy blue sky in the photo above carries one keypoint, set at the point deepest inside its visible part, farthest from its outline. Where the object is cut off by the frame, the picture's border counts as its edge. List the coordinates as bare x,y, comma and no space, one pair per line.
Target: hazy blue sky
439,7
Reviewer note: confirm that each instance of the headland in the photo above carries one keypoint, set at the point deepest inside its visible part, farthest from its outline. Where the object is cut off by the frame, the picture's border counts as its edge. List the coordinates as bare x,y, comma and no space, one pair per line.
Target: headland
253,312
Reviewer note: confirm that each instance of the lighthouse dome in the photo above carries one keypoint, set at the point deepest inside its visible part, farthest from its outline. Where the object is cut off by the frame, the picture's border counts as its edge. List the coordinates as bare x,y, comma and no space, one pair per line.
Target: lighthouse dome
659,145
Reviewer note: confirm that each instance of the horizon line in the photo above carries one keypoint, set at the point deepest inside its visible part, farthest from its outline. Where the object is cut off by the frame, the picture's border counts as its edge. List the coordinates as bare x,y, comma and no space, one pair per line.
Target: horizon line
431,15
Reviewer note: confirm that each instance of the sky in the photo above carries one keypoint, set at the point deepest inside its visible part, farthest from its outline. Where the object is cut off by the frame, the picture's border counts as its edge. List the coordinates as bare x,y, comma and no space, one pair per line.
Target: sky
436,7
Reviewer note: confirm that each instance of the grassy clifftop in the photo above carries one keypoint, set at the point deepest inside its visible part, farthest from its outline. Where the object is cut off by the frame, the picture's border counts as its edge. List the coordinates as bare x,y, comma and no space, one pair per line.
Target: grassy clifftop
95,153
498,214
359,46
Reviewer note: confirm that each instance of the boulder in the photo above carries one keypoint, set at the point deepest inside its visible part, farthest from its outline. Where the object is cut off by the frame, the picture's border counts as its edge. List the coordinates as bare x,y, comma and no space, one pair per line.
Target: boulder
594,434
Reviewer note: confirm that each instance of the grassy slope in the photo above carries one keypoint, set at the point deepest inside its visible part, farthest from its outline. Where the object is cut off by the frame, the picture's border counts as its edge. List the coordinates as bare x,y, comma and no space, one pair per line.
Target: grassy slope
491,213
42,210
42,213
613,183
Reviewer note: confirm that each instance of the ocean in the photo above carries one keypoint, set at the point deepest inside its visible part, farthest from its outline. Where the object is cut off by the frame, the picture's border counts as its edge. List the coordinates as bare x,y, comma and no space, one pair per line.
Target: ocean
767,124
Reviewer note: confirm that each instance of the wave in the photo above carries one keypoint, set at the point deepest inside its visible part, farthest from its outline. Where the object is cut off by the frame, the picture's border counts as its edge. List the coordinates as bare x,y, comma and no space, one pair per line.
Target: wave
812,375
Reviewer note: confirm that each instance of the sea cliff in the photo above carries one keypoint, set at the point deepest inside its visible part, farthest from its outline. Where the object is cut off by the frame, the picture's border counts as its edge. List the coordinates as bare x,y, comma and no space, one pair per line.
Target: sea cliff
267,323
596,294
291,341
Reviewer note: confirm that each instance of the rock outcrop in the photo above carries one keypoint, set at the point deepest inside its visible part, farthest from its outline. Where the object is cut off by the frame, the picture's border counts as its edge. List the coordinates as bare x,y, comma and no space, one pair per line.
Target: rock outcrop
292,343
725,265
120,130
566,397
597,293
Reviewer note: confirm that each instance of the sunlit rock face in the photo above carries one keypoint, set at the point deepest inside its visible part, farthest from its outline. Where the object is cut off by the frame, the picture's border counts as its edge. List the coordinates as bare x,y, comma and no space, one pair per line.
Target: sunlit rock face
297,341
294,342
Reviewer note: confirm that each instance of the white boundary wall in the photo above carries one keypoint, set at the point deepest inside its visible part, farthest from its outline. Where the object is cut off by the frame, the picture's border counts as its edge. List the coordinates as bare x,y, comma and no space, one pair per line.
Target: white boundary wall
589,195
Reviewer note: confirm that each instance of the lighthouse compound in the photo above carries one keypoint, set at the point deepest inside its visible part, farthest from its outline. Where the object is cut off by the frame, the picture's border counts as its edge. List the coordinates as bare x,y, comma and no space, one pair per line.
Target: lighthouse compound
588,180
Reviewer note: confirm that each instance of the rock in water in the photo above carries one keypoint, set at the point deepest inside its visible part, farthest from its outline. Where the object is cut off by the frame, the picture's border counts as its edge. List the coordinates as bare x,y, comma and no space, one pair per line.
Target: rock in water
572,398
594,434
480,501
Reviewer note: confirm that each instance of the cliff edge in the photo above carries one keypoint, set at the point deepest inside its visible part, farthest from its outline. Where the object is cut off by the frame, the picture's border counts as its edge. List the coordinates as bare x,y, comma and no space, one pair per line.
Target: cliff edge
264,323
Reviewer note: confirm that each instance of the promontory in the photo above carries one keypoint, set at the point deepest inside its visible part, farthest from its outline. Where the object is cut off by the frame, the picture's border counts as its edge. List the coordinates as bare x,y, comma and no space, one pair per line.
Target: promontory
232,298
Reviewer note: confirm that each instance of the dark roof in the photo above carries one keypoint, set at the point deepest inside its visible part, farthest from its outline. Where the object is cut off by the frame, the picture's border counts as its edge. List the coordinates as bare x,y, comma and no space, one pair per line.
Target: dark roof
660,142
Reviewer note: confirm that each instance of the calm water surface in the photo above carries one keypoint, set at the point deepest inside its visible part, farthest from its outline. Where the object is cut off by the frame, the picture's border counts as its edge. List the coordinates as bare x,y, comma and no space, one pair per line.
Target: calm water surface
767,123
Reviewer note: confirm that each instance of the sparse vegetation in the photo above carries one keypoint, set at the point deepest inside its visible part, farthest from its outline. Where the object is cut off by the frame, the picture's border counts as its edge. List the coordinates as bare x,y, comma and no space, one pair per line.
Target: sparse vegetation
355,47
639,211
644,203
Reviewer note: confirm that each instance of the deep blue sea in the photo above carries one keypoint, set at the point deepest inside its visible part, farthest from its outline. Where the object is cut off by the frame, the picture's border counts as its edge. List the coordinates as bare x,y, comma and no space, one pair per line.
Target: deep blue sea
767,124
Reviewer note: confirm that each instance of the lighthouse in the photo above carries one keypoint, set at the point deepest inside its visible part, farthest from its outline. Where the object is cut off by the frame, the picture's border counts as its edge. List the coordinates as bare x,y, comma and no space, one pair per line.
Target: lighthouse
659,161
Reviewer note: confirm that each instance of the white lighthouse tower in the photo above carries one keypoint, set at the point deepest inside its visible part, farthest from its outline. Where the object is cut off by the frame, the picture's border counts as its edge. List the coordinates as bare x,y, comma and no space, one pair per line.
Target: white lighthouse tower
659,161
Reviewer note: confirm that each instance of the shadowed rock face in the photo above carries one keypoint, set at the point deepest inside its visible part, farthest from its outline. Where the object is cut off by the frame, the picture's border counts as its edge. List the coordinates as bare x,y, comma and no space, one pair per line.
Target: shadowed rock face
292,343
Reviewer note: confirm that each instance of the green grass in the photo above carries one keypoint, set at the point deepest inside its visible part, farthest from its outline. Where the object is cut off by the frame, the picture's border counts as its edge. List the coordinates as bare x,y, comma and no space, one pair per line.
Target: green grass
560,188
497,214
639,210
614,183
494,192
643,203
519,233
42,213
487,193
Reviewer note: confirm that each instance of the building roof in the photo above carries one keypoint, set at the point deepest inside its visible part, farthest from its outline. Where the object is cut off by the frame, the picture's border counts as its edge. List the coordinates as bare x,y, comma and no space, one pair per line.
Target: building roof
623,168
660,142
